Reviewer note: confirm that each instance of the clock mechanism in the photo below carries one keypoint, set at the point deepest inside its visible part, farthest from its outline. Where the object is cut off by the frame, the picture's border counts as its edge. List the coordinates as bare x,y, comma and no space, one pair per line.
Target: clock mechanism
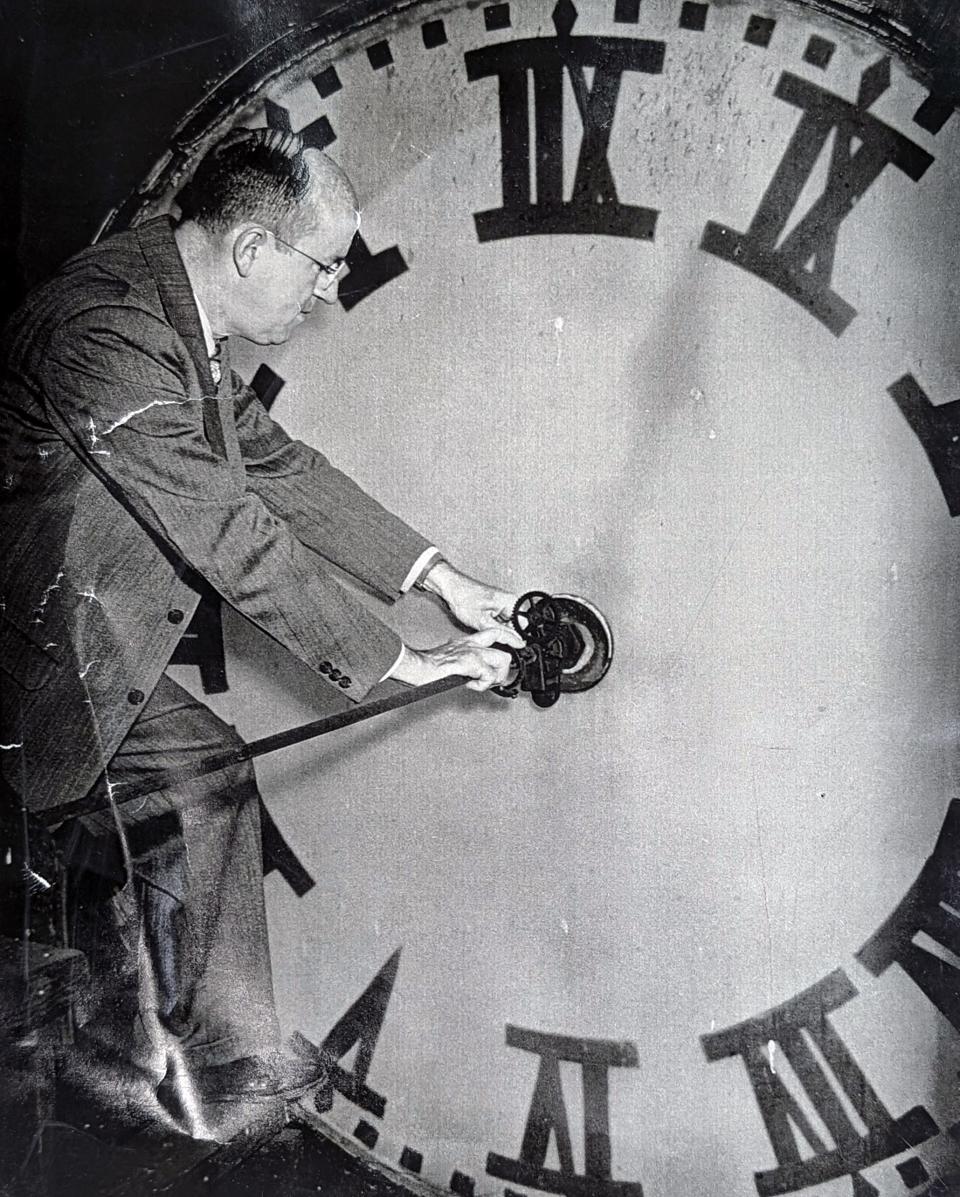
569,647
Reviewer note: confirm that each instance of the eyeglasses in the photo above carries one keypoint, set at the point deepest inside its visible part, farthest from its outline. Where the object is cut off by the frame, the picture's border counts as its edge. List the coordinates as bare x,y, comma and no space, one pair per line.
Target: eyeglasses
329,273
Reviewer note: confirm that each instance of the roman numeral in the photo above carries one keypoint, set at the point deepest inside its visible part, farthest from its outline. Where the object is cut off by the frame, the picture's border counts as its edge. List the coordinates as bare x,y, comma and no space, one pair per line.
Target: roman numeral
368,272
361,1025
800,263
548,1116
594,206
931,907
938,429
791,1031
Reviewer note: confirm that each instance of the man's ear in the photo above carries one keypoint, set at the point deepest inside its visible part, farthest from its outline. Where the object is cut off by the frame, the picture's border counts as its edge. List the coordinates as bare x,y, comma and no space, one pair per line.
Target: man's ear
247,245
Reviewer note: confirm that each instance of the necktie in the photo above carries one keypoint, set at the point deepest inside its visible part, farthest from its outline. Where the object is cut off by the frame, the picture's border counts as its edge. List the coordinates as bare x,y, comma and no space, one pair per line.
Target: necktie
218,417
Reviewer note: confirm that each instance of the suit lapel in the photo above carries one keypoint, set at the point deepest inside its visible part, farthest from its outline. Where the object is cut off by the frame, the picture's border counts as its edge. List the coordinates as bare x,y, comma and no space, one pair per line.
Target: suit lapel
160,250
225,410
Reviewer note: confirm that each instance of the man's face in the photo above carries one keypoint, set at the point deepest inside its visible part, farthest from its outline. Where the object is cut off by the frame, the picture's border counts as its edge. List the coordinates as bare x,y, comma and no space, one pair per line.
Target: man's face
288,276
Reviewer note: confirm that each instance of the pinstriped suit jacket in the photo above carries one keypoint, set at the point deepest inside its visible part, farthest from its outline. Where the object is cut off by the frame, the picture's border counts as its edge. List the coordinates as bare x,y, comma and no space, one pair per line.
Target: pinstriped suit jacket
119,484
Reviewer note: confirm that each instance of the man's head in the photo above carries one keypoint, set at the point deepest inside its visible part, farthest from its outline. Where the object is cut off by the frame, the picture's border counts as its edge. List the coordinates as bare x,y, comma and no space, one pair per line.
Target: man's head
275,221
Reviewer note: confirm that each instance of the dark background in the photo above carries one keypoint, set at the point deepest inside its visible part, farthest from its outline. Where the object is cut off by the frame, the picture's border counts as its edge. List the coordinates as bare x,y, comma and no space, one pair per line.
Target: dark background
95,88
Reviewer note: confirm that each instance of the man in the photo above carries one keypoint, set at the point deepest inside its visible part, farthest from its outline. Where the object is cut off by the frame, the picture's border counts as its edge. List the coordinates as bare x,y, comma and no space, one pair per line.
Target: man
134,463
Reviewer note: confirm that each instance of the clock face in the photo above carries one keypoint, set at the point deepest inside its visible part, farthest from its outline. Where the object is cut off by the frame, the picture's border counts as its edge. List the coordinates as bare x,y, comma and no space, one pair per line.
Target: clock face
654,303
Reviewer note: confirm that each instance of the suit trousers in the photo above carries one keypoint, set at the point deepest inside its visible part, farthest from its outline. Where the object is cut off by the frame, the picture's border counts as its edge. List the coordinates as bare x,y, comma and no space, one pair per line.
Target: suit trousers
168,899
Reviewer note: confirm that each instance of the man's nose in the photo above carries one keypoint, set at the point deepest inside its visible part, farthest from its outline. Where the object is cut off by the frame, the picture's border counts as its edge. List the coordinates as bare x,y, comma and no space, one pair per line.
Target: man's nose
327,291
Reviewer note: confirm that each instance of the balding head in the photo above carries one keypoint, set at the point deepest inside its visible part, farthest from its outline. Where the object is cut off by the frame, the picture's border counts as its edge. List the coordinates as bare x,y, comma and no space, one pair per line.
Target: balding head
328,199
266,226
267,176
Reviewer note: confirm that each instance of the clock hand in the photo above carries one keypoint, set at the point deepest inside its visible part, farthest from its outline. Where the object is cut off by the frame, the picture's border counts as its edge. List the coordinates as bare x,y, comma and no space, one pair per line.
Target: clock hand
568,648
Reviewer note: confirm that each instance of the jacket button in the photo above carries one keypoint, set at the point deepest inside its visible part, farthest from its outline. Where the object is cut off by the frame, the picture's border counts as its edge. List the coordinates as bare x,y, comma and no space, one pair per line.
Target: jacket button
325,666
335,674
135,697
175,616
345,683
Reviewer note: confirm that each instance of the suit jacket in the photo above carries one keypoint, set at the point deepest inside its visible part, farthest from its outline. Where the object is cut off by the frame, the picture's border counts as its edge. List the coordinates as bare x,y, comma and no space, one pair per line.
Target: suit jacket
125,474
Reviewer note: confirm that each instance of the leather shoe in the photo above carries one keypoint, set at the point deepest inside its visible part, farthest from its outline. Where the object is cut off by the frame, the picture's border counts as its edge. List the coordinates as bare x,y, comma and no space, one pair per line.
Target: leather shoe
259,1078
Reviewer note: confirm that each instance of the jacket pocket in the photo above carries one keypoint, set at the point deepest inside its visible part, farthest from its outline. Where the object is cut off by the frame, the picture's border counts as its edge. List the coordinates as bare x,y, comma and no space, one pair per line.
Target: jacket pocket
28,663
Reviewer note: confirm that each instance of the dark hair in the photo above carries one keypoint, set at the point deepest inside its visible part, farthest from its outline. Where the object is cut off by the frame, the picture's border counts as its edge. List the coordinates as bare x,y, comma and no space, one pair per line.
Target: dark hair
253,174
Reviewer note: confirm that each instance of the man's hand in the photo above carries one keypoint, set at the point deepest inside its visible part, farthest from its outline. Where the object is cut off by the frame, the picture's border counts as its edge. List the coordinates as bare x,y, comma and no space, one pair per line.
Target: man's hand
472,603
468,656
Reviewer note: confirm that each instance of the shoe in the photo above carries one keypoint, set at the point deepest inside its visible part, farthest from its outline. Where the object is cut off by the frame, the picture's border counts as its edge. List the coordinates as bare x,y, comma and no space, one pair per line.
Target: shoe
260,1078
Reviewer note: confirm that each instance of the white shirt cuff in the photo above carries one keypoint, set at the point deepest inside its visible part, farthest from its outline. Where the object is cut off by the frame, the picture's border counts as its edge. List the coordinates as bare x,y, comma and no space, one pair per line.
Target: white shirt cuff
418,567
389,672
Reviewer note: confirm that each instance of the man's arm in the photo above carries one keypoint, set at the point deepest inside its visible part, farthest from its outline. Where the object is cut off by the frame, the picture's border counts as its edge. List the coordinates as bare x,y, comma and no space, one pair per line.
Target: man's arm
325,509
474,604
114,380
320,503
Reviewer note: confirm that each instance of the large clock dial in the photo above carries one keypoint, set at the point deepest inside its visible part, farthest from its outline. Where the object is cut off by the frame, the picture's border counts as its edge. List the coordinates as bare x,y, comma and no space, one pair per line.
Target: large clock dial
652,303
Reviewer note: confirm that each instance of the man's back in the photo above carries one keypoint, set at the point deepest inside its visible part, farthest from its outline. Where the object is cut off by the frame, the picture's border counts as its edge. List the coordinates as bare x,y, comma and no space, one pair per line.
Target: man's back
80,575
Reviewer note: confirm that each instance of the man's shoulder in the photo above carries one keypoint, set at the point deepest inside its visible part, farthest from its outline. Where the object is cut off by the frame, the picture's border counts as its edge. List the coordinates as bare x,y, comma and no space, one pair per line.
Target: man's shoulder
112,274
